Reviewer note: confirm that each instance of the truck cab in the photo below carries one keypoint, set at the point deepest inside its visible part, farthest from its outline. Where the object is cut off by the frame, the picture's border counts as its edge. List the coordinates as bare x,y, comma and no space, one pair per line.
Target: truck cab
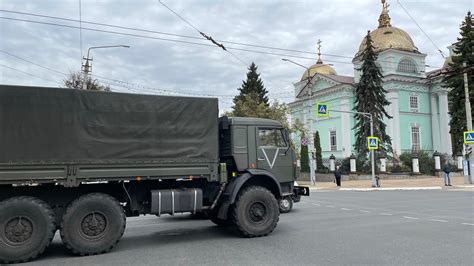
262,148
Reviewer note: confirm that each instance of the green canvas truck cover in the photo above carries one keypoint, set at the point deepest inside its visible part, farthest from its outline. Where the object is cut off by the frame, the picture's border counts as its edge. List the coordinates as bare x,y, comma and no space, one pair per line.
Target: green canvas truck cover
57,125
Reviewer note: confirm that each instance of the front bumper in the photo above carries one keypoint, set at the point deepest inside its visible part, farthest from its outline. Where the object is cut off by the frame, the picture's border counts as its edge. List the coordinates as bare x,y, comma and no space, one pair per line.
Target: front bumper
299,191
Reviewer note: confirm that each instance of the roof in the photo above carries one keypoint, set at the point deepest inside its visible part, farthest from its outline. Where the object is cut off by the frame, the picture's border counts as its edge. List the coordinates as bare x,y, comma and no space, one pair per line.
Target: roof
336,78
341,79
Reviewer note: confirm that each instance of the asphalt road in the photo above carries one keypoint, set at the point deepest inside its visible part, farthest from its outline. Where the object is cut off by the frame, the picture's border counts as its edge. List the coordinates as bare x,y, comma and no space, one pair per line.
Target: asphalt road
328,228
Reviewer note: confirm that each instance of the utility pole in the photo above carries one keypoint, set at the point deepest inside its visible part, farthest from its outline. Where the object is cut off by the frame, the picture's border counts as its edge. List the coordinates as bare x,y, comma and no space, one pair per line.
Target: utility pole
467,103
311,150
87,67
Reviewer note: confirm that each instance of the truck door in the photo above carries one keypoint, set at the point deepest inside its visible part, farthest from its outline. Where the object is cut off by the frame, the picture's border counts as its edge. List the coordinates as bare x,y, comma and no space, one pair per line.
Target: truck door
273,153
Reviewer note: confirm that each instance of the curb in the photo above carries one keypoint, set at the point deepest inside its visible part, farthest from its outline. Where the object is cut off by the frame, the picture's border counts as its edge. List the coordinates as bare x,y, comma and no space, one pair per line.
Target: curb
390,188
378,189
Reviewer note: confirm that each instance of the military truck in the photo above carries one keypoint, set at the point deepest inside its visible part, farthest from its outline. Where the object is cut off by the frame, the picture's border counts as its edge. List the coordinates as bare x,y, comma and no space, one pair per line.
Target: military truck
82,161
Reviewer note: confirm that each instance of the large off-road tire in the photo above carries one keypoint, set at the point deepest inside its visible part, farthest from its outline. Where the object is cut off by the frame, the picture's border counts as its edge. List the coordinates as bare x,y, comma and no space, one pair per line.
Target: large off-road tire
285,204
256,212
93,224
26,228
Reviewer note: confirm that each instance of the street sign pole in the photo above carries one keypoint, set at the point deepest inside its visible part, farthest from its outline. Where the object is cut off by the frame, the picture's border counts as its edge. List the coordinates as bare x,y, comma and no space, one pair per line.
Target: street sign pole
468,122
372,156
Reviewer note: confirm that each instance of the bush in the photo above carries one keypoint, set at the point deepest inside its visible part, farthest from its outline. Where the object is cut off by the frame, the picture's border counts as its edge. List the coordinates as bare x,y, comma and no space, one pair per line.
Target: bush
361,167
425,161
399,169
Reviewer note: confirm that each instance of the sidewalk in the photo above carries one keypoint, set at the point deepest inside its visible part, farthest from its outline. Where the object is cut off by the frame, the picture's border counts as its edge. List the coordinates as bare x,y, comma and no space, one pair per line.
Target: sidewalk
406,184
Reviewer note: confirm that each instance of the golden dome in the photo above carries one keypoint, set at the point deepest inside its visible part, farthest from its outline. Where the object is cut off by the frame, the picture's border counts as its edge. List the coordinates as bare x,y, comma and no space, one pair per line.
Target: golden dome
320,68
388,37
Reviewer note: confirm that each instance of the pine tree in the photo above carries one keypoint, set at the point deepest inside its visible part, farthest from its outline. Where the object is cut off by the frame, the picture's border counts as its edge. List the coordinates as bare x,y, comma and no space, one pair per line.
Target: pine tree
253,86
317,146
370,98
463,52
304,159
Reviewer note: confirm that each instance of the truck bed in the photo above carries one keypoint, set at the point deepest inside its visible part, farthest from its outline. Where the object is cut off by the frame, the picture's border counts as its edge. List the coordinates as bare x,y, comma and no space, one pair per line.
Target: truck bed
51,134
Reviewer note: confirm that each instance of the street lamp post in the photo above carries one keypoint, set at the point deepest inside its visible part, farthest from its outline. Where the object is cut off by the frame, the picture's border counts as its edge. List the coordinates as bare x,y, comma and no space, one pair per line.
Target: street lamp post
312,161
87,68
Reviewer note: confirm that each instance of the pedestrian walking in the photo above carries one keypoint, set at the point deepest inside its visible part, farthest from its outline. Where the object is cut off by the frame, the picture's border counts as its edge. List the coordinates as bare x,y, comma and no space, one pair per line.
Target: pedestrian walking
447,178
338,175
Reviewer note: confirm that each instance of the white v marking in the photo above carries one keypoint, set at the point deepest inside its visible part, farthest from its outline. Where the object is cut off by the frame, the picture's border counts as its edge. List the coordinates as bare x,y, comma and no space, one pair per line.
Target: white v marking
274,157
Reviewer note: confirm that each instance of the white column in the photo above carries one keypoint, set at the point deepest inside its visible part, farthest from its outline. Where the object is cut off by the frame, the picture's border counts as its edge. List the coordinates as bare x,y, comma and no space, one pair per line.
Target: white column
415,164
437,160
332,163
445,137
435,123
353,165
460,163
383,165
345,128
394,123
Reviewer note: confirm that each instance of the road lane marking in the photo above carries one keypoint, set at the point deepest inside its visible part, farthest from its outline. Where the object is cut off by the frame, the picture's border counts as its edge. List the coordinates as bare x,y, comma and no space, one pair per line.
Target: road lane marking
346,209
409,217
330,206
365,211
384,213
438,220
467,224
315,204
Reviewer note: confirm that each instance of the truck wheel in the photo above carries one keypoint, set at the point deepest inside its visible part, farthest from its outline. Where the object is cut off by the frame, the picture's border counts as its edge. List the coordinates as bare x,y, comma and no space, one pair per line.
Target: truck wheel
93,224
26,229
256,212
286,204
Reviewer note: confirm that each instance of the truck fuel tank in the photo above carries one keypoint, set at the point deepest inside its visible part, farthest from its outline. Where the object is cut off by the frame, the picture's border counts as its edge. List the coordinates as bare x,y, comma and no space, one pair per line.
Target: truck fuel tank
171,201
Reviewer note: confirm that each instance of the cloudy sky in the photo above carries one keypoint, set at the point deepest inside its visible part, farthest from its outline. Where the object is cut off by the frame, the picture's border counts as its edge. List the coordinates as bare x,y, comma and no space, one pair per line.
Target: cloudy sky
41,54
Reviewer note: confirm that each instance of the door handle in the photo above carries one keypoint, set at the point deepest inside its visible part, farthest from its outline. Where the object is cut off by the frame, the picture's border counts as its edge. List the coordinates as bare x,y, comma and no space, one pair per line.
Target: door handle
261,159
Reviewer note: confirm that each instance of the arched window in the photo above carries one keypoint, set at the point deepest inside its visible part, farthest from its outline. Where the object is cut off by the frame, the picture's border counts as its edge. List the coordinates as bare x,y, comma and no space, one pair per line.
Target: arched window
406,66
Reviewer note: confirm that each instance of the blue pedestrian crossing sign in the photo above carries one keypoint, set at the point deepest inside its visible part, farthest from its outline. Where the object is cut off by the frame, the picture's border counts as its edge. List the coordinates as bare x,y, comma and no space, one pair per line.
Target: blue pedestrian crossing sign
322,109
468,137
372,143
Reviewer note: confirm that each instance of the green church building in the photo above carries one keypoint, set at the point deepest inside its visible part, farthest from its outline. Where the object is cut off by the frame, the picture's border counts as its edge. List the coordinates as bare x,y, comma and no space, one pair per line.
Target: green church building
418,101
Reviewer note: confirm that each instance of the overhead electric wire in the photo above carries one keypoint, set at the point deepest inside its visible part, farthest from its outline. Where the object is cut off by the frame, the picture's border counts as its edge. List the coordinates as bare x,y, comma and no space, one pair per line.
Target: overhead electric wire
148,88
29,74
427,36
205,36
181,36
170,34
33,63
